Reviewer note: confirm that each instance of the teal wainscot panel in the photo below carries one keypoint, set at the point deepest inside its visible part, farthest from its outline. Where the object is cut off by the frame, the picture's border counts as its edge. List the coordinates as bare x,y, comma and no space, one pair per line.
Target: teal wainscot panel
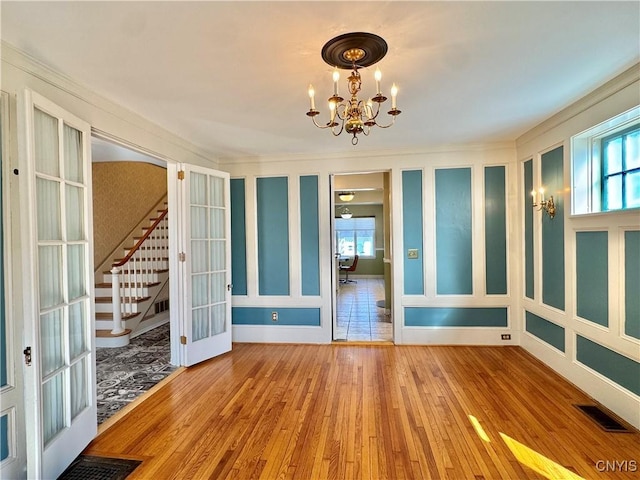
286,316
453,232
455,317
310,235
238,237
618,368
273,235
592,276
495,230
412,232
528,229
631,282
553,231
545,330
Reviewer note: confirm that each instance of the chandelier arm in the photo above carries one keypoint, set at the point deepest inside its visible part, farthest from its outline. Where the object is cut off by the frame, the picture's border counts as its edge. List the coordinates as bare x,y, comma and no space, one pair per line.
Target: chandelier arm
393,120
328,125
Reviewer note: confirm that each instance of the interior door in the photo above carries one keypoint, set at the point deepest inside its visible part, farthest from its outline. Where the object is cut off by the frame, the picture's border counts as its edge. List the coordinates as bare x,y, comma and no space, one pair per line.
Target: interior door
206,264
56,220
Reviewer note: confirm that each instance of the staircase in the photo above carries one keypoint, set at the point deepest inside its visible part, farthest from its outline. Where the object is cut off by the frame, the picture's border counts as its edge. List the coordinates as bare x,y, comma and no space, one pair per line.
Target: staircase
126,293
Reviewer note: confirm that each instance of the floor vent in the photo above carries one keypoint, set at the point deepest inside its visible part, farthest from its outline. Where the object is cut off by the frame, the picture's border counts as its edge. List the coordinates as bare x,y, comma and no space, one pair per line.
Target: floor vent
603,419
87,467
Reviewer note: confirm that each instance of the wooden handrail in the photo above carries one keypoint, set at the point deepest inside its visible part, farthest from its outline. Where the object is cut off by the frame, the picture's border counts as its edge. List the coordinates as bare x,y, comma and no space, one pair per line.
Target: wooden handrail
141,241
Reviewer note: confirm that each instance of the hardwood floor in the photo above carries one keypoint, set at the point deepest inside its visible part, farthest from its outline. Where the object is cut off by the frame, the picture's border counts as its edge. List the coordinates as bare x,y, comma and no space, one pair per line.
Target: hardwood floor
367,412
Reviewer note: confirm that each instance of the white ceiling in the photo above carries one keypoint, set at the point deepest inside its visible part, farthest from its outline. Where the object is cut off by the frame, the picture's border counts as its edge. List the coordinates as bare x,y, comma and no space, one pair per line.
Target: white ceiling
232,77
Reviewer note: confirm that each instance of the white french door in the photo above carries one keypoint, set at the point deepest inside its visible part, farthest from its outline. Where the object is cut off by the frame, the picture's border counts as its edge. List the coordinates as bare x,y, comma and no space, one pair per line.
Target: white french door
205,264
56,219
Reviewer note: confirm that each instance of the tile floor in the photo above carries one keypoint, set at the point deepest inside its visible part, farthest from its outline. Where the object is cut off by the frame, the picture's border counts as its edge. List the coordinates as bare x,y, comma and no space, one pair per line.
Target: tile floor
359,316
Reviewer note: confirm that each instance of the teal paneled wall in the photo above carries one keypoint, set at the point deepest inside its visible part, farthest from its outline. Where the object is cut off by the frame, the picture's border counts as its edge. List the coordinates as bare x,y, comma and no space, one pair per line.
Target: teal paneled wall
455,317
310,235
553,231
622,370
545,330
528,230
238,237
272,196
453,231
4,437
286,316
412,231
632,283
592,276
495,230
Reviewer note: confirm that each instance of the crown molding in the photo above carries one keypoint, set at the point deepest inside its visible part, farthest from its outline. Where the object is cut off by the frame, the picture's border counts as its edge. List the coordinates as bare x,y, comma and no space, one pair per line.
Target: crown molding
613,86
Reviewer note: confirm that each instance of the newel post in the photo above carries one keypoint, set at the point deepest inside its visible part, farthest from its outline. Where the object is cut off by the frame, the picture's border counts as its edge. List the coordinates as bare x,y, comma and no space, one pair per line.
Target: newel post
115,294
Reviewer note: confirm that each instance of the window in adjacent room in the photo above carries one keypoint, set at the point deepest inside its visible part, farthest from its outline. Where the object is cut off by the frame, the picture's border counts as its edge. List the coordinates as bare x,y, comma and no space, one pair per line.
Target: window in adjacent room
605,165
356,236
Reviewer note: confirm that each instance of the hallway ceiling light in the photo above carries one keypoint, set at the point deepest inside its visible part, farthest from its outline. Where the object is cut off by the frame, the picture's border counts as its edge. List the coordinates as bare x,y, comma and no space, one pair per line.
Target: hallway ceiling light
346,213
354,51
346,196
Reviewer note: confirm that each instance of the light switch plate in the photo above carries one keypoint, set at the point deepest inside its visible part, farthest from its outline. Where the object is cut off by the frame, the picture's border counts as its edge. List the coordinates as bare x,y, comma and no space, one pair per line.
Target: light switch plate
412,253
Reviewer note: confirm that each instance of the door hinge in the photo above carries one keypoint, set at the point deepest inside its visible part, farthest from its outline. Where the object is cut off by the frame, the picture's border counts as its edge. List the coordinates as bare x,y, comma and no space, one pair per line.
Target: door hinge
182,257
183,340
180,174
27,356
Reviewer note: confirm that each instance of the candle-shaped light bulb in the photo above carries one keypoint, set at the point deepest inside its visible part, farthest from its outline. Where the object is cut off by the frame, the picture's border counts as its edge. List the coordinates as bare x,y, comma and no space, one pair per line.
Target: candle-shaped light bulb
336,77
332,108
312,93
533,194
541,191
378,77
369,109
394,95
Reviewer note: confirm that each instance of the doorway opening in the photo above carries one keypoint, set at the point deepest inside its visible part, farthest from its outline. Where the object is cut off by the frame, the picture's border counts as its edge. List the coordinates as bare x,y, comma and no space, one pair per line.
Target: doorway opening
361,240
129,199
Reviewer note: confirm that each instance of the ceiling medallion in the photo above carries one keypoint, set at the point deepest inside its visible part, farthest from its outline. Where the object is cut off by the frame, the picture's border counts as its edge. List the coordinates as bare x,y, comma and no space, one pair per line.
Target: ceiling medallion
354,51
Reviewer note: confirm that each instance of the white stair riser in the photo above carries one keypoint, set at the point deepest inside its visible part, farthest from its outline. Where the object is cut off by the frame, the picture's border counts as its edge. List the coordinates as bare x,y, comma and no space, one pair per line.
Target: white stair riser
108,307
106,292
113,342
108,324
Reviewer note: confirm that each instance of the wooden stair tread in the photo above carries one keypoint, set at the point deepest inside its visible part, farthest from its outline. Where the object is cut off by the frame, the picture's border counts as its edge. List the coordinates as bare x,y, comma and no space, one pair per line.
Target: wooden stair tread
109,315
162,270
108,334
117,260
123,299
142,285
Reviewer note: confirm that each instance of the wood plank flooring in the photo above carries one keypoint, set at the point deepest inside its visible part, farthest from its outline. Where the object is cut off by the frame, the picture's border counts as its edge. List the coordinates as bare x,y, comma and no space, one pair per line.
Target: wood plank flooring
366,412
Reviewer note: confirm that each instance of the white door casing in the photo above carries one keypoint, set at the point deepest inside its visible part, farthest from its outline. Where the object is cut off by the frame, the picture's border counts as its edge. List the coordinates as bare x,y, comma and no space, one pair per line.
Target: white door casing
57,233
205,263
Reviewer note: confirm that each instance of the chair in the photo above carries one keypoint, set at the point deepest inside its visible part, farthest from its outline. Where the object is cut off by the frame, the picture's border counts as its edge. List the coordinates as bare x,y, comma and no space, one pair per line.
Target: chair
349,268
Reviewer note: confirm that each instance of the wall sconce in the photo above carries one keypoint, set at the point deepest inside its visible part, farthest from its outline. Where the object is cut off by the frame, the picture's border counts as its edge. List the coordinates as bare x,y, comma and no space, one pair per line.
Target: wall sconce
542,204
346,196
346,213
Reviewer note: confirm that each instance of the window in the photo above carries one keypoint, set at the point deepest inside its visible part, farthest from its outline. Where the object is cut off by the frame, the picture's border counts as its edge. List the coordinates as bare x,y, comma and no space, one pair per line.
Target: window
605,165
621,170
356,236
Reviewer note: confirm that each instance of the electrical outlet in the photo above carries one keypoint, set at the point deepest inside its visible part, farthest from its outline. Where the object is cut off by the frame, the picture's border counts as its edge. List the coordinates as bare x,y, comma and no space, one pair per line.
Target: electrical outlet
413,253
274,316
506,336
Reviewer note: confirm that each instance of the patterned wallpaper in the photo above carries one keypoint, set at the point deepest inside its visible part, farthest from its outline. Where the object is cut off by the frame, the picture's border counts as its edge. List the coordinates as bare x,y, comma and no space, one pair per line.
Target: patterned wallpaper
123,193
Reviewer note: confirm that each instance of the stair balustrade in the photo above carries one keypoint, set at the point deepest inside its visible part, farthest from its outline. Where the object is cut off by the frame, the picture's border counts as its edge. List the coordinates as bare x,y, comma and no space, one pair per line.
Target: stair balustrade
137,269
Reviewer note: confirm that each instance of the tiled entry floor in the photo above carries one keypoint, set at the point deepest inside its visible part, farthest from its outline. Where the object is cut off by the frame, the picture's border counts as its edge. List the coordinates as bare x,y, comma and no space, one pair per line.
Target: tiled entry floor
359,316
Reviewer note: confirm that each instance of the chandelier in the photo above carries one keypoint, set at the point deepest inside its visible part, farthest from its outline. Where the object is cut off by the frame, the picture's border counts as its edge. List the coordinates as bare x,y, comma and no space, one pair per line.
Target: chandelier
354,51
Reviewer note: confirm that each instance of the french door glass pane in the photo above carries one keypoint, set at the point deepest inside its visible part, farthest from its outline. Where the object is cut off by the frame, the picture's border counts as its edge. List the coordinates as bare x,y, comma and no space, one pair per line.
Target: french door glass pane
198,189
50,275
45,129
200,323
216,192
199,261
199,222
632,190
218,318
77,334
75,271
51,341
52,407
200,290
72,154
78,380
217,287
217,255
75,212
217,223
49,218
